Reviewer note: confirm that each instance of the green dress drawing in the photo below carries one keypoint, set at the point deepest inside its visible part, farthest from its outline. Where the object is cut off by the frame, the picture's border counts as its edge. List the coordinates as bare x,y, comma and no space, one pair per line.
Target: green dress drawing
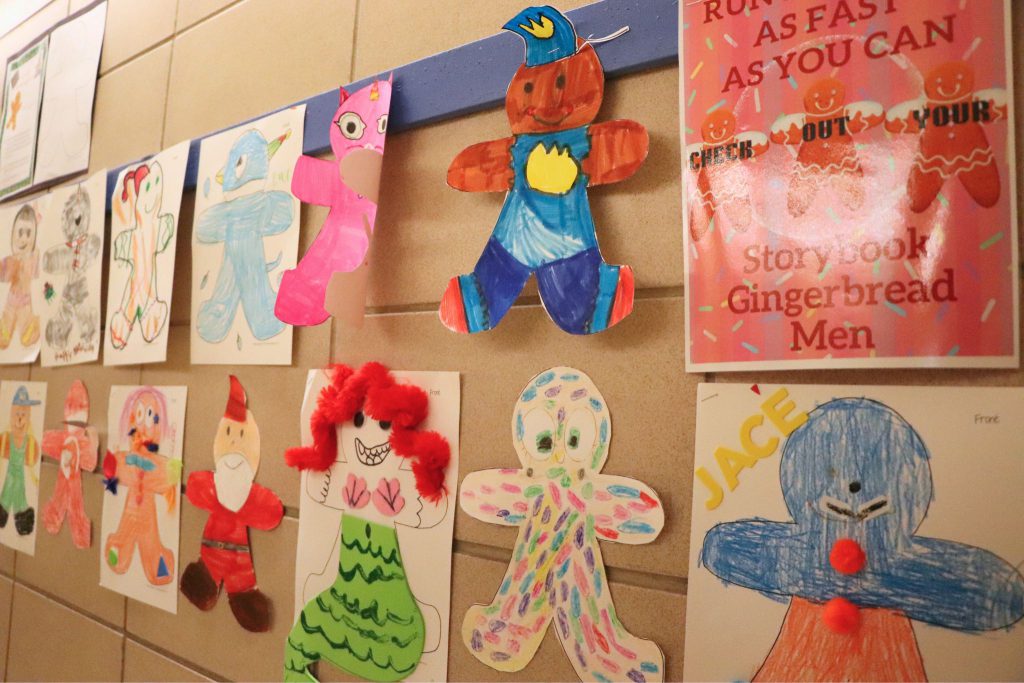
367,623
12,498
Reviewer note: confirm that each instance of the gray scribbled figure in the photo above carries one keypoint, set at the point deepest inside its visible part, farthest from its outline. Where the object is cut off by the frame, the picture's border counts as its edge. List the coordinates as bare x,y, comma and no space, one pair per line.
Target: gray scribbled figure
73,258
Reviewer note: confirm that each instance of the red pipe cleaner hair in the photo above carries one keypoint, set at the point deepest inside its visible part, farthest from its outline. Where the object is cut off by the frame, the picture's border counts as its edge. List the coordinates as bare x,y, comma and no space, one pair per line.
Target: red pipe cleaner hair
374,391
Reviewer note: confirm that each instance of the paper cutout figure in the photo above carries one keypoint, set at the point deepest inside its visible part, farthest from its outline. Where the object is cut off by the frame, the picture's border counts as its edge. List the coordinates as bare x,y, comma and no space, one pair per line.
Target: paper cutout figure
349,186
19,322
75,447
141,472
721,181
144,216
19,447
856,473
73,268
949,118
562,505
235,503
827,151
368,622
554,154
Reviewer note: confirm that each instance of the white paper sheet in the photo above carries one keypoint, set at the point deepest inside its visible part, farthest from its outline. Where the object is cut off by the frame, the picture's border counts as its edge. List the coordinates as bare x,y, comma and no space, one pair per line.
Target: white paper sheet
977,473
22,234
14,12
65,125
245,235
27,474
426,552
130,522
23,92
140,279
71,270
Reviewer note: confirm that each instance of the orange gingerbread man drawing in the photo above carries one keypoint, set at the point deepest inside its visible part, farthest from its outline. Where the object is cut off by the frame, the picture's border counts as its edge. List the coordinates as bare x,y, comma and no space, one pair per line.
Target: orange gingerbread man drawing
827,152
143,473
722,181
949,118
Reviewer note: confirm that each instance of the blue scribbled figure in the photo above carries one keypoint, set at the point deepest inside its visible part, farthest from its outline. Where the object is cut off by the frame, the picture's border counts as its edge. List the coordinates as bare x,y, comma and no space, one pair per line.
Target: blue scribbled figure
248,214
857,474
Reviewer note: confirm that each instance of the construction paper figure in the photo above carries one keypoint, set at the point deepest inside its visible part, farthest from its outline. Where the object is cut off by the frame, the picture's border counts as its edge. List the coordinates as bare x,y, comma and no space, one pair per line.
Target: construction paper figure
235,503
20,269
827,151
857,481
348,186
143,473
18,446
562,505
368,622
722,180
248,214
72,259
949,118
75,447
138,246
554,154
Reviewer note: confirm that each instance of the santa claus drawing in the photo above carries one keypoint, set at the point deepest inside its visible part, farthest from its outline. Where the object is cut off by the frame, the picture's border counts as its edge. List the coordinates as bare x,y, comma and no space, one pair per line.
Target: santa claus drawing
235,503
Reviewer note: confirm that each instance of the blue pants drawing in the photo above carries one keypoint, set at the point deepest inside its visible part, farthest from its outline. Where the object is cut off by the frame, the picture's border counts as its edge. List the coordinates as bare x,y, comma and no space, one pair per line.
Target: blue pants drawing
217,314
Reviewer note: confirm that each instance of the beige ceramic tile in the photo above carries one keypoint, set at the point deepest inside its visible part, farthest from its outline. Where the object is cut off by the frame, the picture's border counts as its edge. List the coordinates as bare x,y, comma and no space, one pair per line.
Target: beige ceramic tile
191,12
64,571
133,27
441,231
637,365
88,651
6,590
425,28
233,652
256,56
142,664
128,116
78,5
32,28
275,397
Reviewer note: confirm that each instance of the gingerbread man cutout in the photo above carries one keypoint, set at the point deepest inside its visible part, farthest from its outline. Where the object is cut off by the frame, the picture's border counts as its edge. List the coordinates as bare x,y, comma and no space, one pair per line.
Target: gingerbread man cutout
824,133
562,505
144,473
75,448
857,482
721,181
949,118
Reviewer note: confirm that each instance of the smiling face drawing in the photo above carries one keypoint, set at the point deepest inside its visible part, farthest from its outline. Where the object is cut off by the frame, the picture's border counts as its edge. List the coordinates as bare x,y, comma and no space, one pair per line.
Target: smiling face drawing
950,82
556,96
857,470
145,422
364,444
23,233
826,96
718,127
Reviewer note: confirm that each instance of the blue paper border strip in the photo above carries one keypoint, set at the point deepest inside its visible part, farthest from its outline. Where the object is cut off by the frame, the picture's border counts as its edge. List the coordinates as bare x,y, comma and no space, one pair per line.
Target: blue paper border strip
475,76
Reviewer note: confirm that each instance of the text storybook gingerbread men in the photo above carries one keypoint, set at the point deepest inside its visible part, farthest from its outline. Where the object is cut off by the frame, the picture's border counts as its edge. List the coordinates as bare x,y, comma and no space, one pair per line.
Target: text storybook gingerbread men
825,134
75,448
949,119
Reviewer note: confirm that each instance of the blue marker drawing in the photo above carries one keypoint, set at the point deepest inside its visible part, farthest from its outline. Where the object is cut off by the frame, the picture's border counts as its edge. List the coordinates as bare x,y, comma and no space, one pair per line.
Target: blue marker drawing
241,223
858,473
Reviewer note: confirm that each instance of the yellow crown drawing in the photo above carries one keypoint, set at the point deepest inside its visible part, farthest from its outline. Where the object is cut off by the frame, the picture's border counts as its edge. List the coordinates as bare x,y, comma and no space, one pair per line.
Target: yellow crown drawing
544,30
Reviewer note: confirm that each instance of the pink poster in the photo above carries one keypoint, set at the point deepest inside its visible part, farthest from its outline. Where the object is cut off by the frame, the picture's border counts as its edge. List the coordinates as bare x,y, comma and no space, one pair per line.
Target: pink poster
849,189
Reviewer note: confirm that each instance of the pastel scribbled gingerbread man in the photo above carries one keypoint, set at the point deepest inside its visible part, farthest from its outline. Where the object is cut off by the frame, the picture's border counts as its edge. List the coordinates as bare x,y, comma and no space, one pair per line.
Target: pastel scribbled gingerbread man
75,447
143,473
722,180
555,153
857,482
368,622
349,186
949,118
148,234
562,505
20,269
827,152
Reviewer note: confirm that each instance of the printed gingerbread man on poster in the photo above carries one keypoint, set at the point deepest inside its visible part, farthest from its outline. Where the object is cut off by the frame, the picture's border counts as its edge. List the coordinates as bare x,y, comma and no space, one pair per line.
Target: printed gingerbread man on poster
827,151
723,180
949,117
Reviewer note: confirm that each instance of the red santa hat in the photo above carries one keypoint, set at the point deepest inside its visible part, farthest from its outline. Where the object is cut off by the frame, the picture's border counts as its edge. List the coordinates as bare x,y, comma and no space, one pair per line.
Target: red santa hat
235,409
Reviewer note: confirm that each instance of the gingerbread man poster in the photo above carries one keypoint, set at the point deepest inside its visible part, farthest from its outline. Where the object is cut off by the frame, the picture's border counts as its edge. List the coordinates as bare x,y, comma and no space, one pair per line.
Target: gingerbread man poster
848,184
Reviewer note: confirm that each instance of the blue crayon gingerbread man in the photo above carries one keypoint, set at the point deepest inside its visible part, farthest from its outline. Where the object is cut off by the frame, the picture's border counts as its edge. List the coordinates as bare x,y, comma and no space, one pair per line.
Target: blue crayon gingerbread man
247,215
857,481
554,154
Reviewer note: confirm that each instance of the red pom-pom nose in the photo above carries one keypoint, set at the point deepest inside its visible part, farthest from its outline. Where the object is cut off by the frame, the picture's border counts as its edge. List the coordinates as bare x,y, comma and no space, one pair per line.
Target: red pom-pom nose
841,616
847,557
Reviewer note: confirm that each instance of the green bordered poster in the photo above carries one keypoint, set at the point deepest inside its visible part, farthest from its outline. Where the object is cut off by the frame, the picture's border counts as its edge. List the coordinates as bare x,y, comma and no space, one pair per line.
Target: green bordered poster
23,94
